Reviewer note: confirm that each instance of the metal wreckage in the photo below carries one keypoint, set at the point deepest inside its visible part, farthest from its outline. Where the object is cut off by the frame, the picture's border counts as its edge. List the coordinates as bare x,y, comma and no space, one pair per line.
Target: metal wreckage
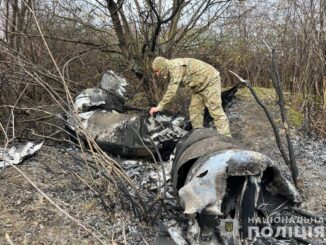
222,186
17,154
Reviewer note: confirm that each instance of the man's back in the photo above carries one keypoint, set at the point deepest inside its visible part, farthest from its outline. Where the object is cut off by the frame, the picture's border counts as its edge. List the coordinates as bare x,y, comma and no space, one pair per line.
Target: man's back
196,73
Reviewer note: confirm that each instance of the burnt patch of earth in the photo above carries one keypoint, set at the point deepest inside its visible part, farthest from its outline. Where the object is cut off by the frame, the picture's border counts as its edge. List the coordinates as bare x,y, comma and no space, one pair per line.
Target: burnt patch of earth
29,218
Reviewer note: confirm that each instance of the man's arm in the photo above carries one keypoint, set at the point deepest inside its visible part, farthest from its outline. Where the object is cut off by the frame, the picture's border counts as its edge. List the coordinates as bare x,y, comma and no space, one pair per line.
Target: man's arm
172,88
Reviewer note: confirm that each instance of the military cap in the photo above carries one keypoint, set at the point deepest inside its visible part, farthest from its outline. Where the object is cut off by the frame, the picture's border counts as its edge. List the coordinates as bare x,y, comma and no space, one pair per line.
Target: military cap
162,64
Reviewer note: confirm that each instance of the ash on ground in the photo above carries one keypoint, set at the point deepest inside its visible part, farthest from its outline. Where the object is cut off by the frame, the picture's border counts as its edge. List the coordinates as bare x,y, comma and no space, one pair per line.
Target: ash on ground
28,218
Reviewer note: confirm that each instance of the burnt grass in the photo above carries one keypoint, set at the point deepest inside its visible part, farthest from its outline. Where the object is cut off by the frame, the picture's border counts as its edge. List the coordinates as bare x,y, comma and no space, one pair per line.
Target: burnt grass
28,218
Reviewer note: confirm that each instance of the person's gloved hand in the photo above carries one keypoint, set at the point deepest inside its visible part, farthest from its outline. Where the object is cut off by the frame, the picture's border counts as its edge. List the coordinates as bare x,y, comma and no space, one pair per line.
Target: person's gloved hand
153,110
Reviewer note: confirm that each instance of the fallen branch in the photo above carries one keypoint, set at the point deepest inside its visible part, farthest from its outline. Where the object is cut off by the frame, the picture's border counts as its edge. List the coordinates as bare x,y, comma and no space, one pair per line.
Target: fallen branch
103,162
279,90
86,227
270,119
97,194
9,239
159,197
119,186
164,183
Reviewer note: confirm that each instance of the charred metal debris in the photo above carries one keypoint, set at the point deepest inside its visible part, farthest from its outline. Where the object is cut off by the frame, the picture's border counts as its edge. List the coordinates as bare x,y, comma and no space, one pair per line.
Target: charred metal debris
17,154
209,181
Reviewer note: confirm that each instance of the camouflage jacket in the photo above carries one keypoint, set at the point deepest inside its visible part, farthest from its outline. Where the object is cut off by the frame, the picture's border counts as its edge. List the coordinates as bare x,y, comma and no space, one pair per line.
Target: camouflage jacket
187,72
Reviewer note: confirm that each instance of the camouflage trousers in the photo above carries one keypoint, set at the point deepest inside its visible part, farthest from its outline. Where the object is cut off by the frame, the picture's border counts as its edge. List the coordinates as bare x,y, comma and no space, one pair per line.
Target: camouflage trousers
210,97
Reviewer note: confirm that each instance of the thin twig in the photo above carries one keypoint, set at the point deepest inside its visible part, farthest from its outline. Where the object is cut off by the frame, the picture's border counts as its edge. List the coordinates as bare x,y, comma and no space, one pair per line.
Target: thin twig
84,227
277,82
9,239
269,116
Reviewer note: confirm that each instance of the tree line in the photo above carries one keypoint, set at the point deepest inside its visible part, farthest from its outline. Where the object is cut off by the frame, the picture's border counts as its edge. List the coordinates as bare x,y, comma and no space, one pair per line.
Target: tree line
87,37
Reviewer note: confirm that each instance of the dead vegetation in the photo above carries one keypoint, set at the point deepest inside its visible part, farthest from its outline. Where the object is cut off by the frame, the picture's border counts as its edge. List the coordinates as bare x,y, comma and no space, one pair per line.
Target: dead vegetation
61,173
86,38
50,51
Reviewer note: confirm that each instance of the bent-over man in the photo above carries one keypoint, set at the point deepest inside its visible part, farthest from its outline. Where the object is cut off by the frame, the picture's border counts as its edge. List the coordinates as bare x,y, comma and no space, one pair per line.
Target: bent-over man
205,82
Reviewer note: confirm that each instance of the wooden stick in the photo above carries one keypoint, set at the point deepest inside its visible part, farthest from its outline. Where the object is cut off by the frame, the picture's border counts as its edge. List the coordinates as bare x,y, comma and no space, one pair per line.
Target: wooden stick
269,116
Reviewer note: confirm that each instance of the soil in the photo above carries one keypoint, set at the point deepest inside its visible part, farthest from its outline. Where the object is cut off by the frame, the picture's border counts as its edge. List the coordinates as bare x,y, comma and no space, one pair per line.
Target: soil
28,218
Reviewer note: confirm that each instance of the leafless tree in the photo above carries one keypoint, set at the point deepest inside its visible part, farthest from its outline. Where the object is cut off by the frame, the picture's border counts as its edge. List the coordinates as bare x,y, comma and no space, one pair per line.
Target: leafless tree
88,37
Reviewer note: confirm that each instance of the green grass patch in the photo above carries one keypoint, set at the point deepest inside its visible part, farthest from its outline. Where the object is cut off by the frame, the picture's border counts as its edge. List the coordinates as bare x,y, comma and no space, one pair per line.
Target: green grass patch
268,96
265,94
295,117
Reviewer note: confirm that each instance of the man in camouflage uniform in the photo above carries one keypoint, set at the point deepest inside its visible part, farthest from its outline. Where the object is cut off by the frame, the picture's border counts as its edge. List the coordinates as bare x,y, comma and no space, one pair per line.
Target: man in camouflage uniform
205,82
